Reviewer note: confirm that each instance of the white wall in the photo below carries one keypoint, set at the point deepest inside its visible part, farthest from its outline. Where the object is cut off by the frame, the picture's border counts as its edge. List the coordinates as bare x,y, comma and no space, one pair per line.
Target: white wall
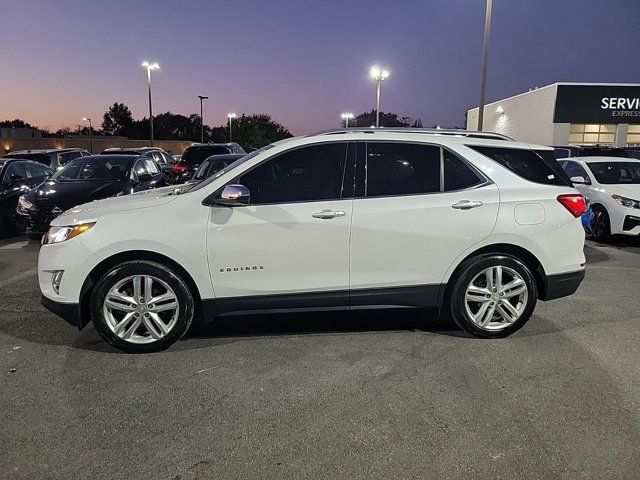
527,117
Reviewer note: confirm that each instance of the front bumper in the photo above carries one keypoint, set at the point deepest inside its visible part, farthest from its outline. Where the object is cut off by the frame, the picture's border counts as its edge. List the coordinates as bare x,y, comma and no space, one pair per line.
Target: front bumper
562,285
70,312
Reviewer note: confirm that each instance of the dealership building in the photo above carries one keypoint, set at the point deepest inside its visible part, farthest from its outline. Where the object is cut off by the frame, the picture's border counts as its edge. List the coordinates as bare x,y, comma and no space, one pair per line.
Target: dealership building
567,114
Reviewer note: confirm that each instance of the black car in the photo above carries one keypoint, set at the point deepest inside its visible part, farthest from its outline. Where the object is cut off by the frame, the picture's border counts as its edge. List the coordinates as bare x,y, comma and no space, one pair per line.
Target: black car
194,155
84,180
52,157
213,165
16,178
161,157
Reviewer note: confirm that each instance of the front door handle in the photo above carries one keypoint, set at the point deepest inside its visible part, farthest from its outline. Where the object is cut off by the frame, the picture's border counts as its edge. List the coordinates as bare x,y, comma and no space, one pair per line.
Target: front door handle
325,214
466,204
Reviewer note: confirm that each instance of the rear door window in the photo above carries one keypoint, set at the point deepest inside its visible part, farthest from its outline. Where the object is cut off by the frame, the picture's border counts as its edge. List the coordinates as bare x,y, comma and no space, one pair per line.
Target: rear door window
525,163
401,169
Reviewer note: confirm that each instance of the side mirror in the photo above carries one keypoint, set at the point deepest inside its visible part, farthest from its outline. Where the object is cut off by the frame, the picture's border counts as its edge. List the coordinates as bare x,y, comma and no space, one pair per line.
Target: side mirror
579,180
144,177
234,196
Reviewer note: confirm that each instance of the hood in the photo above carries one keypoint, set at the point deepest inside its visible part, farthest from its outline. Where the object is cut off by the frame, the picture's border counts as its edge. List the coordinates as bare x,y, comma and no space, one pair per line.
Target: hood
628,190
89,212
65,195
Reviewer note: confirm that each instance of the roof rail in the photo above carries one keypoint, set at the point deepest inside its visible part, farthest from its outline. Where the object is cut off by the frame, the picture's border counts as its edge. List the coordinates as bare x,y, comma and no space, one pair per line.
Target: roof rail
427,131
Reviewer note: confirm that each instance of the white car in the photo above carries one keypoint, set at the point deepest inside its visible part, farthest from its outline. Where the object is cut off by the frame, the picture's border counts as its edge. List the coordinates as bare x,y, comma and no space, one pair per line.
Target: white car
461,222
613,186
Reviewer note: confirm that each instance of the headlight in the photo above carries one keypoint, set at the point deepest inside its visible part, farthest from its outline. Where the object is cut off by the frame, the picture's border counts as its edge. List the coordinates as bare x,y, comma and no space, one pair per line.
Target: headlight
626,202
60,234
24,204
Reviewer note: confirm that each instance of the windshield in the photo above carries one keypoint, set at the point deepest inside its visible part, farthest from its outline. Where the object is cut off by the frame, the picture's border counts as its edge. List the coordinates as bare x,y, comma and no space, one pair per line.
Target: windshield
93,168
228,168
210,166
611,173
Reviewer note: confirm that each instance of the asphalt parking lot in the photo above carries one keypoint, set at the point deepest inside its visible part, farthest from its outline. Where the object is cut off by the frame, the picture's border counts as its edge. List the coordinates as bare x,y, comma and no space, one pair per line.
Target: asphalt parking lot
359,396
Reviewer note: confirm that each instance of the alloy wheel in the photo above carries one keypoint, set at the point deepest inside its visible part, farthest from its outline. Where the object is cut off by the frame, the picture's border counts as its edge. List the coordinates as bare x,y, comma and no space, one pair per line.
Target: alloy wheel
141,309
496,298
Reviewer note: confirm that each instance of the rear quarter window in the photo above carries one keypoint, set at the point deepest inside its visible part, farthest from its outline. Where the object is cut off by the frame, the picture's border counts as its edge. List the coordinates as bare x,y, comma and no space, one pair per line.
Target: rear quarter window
525,163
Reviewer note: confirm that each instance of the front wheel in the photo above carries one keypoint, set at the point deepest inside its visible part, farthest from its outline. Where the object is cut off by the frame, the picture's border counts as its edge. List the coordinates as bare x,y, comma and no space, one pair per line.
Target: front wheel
493,296
601,230
141,306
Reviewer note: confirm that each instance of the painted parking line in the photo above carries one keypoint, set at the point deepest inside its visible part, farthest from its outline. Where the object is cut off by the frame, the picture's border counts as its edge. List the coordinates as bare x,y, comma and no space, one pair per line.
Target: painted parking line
14,245
18,277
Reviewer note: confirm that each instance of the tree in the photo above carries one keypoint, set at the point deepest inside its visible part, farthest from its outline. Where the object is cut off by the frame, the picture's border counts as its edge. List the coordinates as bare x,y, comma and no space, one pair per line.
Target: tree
117,120
252,131
16,123
389,119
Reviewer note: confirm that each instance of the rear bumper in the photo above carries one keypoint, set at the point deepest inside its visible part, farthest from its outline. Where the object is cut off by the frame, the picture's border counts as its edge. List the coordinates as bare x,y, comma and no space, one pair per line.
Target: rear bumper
562,285
70,312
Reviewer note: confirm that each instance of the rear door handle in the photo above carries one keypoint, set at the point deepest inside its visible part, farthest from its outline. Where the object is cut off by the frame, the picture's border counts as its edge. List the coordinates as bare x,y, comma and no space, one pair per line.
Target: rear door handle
325,214
466,204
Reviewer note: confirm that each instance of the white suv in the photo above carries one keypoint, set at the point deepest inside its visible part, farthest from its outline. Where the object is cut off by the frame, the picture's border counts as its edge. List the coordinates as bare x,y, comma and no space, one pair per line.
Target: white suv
613,186
471,224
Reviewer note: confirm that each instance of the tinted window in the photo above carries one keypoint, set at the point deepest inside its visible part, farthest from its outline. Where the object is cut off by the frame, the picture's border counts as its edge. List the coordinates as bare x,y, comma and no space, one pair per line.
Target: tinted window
66,157
574,169
92,168
525,163
302,175
196,155
402,169
457,174
616,172
35,170
152,167
14,169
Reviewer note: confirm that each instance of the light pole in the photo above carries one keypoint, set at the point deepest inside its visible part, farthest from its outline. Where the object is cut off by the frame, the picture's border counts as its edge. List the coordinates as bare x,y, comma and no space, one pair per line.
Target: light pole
485,56
379,75
150,66
346,117
201,119
87,119
230,116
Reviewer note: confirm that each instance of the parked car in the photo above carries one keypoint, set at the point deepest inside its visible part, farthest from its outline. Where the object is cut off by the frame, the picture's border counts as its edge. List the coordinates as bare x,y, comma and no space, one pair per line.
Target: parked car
213,165
84,180
16,178
52,158
613,186
161,157
195,154
569,151
368,218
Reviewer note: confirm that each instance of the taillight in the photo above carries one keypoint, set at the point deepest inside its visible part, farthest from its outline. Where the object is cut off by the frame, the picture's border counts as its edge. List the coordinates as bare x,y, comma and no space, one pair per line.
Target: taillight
179,168
575,203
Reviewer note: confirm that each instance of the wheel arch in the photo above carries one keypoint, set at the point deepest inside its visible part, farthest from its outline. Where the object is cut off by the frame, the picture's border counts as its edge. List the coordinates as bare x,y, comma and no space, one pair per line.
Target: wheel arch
101,268
521,253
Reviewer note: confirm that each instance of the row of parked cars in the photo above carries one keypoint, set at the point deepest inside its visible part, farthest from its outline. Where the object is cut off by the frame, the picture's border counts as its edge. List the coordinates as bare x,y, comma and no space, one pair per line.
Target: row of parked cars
38,185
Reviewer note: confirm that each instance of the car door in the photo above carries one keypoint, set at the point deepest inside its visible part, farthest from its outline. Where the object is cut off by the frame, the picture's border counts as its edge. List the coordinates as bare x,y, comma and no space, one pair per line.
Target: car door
289,247
14,183
418,207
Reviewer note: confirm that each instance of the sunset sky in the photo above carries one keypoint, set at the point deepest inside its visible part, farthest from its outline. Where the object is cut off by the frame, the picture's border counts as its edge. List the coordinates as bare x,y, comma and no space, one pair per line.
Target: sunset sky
302,62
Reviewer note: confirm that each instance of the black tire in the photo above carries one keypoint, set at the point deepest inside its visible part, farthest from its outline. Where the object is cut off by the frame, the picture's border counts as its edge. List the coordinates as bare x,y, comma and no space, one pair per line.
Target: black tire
184,297
468,270
601,230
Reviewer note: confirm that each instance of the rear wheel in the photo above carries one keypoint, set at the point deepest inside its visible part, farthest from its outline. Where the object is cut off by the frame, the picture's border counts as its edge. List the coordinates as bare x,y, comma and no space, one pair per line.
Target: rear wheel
141,306
493,296
601,230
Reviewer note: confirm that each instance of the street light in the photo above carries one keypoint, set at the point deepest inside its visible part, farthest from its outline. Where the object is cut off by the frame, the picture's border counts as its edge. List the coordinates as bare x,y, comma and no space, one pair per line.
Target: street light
150,66
485,56
87,119
201,119
379,75
346,117
230,116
